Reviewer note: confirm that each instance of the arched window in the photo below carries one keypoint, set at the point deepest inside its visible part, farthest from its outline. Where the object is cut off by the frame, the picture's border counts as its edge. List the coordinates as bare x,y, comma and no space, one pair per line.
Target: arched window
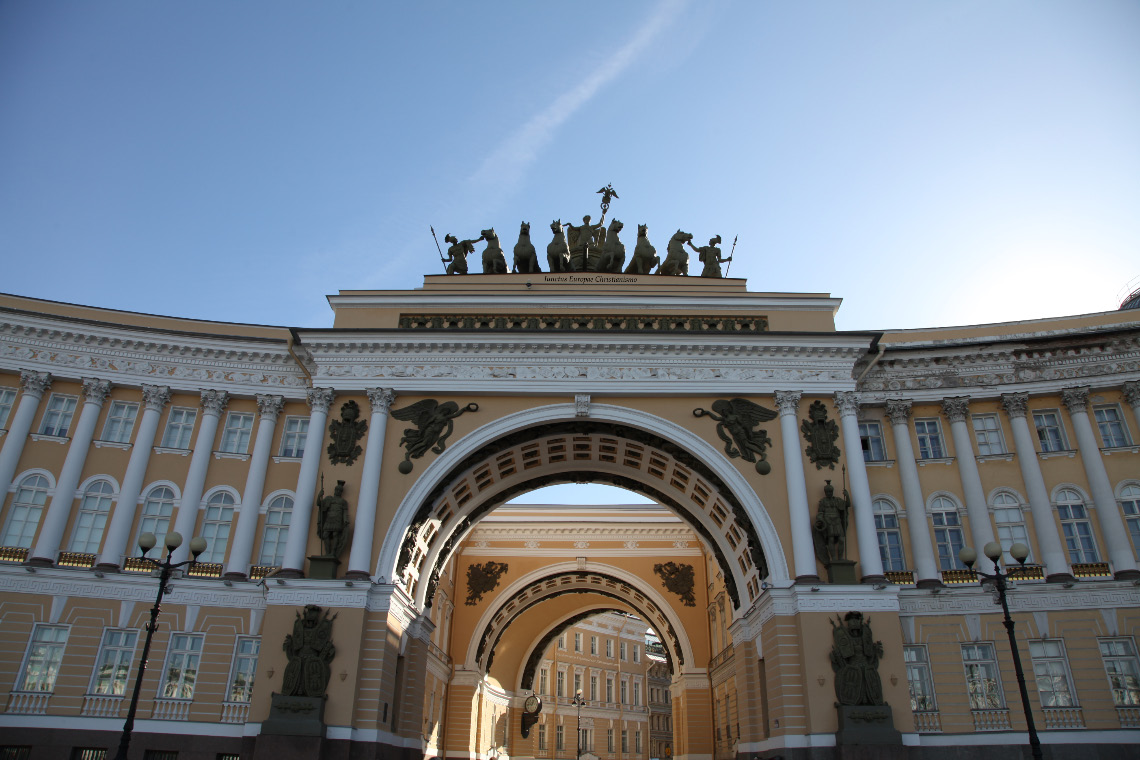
1130,505
276,531
216,526
890,537
156,512
24,514
92,517
1076,527
948,535
1010,523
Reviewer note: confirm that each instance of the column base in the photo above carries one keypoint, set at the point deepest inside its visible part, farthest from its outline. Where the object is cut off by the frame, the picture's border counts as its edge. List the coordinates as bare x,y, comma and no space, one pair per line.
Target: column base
357,575
1060,578
929,583
1127,575
39,562
287,572
873,580
806,580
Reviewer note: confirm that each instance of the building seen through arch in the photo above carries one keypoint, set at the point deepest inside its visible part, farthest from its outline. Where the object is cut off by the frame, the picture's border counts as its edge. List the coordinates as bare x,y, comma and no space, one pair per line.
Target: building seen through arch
377,585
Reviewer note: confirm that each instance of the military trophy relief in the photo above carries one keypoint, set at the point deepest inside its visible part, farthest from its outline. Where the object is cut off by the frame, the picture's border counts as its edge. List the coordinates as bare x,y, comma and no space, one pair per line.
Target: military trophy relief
433,424
483,579
299,709
864,716
829,534
586,247
678,579
821,435
333,529
346,434
737,424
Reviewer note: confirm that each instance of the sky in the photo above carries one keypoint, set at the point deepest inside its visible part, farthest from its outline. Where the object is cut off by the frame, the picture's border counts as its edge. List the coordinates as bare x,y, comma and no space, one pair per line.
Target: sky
931,163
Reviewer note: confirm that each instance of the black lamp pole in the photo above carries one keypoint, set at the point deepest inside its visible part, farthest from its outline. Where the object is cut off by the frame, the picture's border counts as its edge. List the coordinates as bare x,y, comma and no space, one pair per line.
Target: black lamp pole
577,700
166,569
1019,552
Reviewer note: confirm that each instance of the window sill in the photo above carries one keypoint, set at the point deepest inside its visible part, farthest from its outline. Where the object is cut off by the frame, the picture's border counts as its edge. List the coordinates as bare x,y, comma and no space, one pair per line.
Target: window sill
231,455
879,462
1003,457
1070,453
164,450
61,439
1110,450
112,445
286,460
934,460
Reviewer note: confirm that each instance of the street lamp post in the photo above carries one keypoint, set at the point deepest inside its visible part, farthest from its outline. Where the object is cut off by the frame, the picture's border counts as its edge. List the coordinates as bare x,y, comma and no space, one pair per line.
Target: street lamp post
1019,552
166,568
578,701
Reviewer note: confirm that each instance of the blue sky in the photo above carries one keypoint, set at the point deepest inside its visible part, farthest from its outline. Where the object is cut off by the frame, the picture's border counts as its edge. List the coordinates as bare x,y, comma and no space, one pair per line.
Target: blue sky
932,163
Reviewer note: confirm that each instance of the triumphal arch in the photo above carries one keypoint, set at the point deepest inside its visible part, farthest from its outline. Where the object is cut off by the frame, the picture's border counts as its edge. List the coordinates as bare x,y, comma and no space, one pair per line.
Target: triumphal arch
376,585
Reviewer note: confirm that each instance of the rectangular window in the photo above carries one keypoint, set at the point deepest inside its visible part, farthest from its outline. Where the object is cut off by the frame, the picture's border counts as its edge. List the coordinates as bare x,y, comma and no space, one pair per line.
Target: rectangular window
57,418
1077,530
542,736
637,653
622,647
609,690
559,738
1051,669
929,438
609,740
120,422
636,694
1010,529
982,682
593,645
113,664
625,692
593,688
1113,431
88,753
949,539
871,436
890,541
1050,432
577,683
243,669
544,681
1130,506
637,741
1123,670
7,399
918,678
41,662
235,437
181,672
562,641
624,740
294,437
577,642
561,684
987,433
610,648
179,426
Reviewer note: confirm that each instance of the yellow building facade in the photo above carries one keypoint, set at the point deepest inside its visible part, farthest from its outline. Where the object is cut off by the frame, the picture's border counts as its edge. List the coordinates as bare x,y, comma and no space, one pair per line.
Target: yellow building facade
449,606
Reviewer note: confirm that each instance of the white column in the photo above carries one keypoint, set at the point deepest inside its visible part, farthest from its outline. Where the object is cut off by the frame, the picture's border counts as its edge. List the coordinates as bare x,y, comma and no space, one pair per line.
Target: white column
803,548
1132,396
268,407
957,409
155,398
866,536
293,563
1111,523
213,404
55,519
921,546
360,558
34,385
1044,525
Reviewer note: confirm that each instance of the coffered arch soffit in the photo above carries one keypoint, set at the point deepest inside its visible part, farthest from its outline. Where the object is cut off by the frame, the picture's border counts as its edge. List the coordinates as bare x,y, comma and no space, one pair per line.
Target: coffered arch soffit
550,444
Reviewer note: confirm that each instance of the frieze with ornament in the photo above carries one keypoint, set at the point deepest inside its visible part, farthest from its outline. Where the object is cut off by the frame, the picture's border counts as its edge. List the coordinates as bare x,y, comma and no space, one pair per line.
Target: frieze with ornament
716,324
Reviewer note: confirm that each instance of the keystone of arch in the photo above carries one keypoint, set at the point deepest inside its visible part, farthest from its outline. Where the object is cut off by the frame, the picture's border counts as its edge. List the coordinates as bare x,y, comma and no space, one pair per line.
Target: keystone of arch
654,597
712,458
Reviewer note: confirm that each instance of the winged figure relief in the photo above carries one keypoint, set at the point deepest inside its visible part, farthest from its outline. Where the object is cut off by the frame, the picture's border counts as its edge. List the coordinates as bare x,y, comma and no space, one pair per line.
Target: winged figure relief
737,420
433,424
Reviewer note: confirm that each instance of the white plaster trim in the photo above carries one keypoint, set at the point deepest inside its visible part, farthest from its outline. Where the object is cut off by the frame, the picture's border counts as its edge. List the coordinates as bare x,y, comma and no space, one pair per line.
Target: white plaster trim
99,444
1023,597
698,447
370,735
19,478
142,725
264,508
231,455
286,460
1021,738
165,450
60,439
788,600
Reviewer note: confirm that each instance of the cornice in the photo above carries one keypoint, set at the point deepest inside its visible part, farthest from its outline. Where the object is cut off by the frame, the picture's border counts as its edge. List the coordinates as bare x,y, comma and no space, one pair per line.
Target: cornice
129,587
1024,597
132,357
657,300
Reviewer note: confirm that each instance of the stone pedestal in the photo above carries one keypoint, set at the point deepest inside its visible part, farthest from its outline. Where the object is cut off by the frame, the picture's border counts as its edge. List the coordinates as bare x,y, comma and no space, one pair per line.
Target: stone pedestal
295,716
842,571
866,724
323,568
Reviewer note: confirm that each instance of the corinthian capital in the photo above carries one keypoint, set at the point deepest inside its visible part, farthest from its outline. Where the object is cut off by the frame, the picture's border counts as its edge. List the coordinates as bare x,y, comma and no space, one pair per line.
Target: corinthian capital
95,391
381,399
898,410
1076,399
320,399
214,402
847,402
269,406
788,402
35,383
1016,404
1132,393
956,408
156,397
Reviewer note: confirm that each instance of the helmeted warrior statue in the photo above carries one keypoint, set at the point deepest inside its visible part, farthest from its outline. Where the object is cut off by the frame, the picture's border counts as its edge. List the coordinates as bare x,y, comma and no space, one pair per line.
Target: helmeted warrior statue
831,525
332,519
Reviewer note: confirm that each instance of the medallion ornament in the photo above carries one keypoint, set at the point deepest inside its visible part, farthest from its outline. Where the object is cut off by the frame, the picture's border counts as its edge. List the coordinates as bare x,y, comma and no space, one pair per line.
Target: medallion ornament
346,434
736,424
679,579
433,424
821,435
482,579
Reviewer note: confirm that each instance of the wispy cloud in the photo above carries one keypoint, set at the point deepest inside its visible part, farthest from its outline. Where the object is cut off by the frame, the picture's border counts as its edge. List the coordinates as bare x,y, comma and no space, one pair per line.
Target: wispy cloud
507,164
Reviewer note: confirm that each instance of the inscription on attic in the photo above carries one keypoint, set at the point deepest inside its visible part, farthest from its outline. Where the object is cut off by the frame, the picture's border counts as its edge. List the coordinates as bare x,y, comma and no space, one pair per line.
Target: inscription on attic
719,324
